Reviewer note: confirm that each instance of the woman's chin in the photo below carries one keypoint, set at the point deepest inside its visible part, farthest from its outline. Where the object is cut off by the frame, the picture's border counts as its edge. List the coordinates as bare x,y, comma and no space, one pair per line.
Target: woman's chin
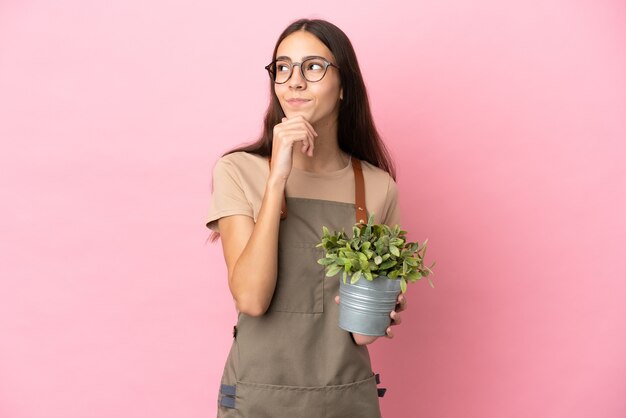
293,113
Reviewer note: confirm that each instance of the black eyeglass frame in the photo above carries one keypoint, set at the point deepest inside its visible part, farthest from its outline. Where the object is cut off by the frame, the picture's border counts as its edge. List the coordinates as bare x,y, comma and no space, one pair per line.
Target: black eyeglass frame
271,69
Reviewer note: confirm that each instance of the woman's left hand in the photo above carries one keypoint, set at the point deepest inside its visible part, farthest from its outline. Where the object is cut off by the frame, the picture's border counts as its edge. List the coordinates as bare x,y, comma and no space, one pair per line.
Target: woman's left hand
395,314
395,320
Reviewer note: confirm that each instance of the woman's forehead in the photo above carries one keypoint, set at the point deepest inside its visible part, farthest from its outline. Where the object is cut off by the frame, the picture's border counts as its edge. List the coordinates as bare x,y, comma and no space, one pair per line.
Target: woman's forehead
300,45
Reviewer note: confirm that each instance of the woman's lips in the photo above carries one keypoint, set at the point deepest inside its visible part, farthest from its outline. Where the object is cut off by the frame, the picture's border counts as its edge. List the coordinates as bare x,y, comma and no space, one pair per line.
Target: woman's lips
297,102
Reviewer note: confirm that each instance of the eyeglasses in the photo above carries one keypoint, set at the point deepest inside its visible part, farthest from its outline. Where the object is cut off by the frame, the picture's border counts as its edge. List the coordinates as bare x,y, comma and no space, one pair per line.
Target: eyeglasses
312,69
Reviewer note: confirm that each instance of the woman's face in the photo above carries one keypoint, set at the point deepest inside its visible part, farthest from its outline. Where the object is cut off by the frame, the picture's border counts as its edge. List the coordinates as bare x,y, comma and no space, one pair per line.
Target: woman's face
317,102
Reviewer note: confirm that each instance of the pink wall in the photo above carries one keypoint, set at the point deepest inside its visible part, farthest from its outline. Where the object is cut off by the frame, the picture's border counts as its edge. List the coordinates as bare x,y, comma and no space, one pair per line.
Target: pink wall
507,121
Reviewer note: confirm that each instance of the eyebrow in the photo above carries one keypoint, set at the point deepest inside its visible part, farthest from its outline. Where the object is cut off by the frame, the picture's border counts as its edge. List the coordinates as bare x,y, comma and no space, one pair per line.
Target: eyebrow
283,57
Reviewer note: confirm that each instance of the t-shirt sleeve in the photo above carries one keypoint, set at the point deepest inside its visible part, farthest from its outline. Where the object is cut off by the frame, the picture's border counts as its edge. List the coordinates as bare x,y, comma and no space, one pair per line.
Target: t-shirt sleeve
228,196
392,206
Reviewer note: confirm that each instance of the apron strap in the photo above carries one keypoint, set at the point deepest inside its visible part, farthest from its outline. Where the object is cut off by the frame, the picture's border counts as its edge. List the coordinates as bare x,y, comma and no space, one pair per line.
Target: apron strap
227,396
359,193
381,391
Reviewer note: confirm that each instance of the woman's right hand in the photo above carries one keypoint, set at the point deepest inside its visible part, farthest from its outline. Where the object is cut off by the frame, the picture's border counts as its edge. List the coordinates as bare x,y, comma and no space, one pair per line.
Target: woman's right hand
286,134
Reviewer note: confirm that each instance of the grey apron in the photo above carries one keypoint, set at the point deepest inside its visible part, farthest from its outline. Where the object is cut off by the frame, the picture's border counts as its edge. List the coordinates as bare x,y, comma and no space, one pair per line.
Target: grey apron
294,361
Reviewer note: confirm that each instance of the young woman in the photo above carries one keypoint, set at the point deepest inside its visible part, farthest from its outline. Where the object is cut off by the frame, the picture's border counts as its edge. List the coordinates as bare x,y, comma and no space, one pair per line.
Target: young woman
319,162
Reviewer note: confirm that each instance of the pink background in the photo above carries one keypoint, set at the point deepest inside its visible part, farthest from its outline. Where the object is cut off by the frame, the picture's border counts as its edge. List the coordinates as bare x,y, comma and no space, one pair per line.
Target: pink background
507,121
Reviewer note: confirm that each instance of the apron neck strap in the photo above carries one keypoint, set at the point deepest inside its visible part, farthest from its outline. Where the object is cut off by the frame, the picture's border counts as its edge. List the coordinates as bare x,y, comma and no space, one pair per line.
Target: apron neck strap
359,193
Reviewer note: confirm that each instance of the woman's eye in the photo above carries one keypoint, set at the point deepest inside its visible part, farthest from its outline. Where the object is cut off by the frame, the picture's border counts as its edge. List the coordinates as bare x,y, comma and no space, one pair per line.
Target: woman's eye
314,66
282,67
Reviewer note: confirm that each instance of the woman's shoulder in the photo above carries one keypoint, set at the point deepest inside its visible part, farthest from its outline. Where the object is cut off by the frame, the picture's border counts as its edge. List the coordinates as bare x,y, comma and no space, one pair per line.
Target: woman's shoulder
379,182
381,194
243,162
376,174
242,158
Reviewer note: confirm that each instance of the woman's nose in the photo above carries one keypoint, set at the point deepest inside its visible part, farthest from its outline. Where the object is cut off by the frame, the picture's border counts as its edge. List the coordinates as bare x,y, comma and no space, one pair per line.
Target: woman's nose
297,81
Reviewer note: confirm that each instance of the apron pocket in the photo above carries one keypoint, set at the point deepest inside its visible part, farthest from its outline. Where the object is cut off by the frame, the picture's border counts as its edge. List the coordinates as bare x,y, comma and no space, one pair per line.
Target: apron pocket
359,399
353,400
300,281
274,401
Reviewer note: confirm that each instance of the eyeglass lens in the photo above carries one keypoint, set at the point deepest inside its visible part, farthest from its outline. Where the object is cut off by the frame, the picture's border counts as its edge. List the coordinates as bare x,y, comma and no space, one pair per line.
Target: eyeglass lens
312,69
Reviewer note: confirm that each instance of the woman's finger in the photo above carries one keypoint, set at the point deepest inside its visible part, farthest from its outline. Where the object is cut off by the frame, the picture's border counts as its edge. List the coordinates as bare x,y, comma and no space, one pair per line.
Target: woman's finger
401,305
310,127
290,135
311,145
389,333
396,318
301,122
297,131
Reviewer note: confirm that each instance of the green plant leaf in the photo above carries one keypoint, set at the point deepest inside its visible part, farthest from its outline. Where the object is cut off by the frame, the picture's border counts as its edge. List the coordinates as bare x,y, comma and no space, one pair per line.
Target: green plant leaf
333,270
325,261
411,261
388,264
364,264
341,261
394,250
396,242
403,285
355,277
378,259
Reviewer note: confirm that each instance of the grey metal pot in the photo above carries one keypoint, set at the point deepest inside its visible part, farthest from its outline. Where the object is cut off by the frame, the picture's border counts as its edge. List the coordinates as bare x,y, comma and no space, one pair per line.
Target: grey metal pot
365,306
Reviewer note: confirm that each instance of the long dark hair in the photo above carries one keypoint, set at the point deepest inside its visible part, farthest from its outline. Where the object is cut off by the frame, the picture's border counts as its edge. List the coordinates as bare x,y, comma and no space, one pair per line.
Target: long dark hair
356,132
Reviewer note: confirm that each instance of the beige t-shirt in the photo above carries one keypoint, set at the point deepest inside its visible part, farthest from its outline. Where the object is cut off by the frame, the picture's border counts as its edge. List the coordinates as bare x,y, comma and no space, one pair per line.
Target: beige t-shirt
239,181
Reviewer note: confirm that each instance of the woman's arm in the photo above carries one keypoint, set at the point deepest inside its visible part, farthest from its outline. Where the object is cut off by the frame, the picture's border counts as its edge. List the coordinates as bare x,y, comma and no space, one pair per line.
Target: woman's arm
251,252
251,249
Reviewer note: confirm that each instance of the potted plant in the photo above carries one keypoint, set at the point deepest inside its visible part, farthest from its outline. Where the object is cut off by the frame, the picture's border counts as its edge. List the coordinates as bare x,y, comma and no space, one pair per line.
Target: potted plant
377,263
